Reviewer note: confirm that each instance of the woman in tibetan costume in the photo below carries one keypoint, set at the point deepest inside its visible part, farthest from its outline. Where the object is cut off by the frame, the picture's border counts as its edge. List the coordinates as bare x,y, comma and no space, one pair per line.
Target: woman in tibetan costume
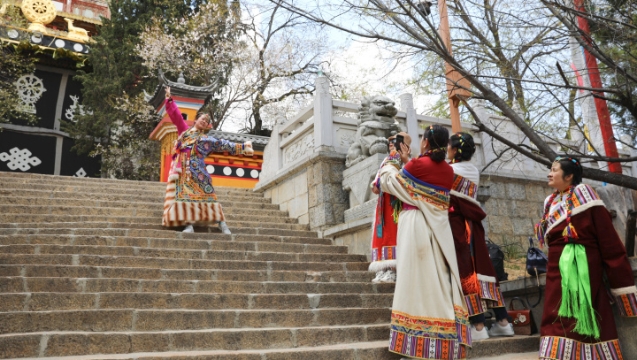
385,224
190,197
578,323
429,318
477,275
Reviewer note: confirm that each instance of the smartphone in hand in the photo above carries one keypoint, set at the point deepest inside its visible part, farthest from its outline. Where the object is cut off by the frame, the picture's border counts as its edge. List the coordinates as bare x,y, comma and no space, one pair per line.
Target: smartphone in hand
399,140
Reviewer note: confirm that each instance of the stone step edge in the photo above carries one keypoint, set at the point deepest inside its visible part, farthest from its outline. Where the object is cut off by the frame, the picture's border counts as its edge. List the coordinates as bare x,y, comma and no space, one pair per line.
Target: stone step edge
35,231
265,262
200,251
210,242
358,348
180,235
195,331
99,268
198,311
353,283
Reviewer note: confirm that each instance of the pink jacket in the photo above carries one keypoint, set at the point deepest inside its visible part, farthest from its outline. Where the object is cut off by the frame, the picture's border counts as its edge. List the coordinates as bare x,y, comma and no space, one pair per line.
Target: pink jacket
175,116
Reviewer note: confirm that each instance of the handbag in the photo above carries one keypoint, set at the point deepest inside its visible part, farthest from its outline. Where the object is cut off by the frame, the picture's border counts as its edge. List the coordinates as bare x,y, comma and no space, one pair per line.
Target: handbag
522,320
497,259
536,260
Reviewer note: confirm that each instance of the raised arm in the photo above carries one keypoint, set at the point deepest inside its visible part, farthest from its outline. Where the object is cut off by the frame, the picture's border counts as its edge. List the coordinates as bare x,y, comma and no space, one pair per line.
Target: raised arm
174,114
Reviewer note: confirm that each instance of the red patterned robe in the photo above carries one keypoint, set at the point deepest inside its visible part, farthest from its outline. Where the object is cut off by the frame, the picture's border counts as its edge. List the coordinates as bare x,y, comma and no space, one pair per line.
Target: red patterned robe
190,196
385,225
480,285
606,256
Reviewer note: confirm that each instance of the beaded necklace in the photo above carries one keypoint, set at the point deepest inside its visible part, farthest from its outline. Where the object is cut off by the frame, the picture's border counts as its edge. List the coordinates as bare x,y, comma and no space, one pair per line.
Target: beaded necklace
569,232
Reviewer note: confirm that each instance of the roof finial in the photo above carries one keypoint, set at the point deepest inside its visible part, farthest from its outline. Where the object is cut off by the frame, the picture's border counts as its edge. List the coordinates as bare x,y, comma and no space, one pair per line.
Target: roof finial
181,79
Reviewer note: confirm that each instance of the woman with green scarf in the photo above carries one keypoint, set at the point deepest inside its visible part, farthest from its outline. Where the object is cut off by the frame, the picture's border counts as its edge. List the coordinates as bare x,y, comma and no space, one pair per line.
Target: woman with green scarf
578,323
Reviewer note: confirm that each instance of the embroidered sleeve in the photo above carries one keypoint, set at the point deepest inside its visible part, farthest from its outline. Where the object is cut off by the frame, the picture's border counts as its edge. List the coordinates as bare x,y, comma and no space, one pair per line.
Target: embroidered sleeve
209,144
626,299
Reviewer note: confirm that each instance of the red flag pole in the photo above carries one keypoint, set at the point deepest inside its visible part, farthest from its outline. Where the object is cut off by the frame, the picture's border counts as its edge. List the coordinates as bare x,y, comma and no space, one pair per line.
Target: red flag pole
603,114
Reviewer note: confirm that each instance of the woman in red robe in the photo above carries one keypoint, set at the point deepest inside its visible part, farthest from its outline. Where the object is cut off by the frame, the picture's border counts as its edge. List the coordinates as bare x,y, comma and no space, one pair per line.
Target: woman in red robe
385,224
480,285
578,322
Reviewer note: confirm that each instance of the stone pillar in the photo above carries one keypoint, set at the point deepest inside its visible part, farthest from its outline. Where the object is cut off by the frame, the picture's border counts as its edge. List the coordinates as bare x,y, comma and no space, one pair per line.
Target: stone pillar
407,105
327,200
322,114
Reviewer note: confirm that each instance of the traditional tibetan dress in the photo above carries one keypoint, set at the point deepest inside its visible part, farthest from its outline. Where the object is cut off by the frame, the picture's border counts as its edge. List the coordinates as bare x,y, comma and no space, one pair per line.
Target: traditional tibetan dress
385,226
429,318
578,322
190,197
477,275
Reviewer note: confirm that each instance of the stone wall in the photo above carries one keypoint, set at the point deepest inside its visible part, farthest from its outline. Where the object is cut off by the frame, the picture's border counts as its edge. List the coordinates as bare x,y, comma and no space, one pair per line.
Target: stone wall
311,190
514,206
292,196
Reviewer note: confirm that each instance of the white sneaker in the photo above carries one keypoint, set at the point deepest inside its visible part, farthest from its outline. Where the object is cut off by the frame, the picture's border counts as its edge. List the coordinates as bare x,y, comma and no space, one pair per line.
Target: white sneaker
224,228
189,229
499,330
379,274
479,335
388,277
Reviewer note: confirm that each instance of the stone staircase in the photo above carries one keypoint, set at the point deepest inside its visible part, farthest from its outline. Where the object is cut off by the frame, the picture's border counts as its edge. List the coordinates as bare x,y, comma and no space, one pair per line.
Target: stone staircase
87,272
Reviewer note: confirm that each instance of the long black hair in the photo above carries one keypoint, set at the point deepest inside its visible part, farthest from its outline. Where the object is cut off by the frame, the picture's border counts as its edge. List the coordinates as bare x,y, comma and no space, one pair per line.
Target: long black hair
570,165
464,143
438,137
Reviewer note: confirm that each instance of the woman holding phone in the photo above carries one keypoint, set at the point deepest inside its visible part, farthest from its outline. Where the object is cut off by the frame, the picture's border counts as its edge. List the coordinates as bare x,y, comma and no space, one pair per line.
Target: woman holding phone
429,317
385,225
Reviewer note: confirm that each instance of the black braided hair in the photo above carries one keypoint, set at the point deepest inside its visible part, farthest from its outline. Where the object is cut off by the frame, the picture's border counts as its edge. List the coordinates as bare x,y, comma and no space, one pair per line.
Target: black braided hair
571,166
464,143
438,137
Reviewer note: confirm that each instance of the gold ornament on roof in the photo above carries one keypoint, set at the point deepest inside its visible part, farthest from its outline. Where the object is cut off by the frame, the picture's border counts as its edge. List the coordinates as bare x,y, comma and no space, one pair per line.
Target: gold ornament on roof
76,33
39,13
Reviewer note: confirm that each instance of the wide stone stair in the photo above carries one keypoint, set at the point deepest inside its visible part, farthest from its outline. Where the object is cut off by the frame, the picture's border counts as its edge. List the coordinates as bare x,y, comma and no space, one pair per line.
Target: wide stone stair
87,271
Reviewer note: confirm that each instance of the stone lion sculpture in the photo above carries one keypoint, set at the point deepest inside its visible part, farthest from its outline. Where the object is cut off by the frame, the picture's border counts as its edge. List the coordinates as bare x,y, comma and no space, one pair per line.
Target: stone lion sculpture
375,124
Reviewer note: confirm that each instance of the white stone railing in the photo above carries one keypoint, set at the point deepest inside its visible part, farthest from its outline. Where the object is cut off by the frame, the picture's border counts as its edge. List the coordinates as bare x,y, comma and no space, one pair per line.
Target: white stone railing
331,124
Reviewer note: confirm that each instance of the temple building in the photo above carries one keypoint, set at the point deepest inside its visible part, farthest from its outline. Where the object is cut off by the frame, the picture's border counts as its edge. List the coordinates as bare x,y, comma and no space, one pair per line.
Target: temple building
59,33
226,170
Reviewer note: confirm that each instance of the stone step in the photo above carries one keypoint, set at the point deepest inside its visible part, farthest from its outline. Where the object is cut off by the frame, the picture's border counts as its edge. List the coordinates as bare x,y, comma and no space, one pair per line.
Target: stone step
167,263
17,177
161,320
83,228
239,227
133,251
233,343
245,208
98,272
54,301
15,195
21,284
88,188
248,344
165,243
267,217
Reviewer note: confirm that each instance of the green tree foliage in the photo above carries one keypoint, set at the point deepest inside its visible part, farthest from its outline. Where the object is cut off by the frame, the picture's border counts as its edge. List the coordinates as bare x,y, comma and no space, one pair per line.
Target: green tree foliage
116,75
12,66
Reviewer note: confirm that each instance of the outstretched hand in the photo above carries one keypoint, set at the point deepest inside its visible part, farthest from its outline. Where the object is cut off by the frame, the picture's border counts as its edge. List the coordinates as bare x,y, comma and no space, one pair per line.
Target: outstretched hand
404,153
247,148
167,90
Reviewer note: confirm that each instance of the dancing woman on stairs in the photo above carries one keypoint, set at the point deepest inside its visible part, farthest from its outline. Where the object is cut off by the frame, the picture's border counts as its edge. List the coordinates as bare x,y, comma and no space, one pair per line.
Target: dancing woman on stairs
578,322
477,275
190,197
429,317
